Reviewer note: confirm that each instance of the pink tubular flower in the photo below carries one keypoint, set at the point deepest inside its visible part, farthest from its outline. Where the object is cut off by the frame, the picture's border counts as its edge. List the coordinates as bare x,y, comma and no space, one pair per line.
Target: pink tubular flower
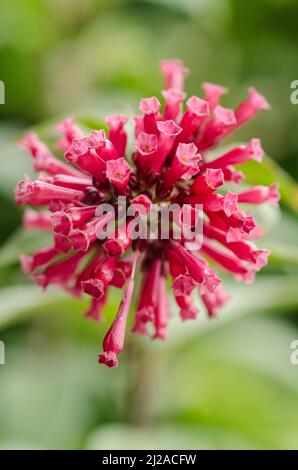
252,151
146,146
39,220
43,159
145,307
222,121
38,193
96,307
60,272
118,172
85,235
65,221
117,245
161,312
174,98
70,181
174,73
70,131
168,130
170,165
186,158
213,302
117,134
101,277
207,182
103,147
260,194
114,340
247,110
150,108
42,257
197,111
213,93
121,273
81,154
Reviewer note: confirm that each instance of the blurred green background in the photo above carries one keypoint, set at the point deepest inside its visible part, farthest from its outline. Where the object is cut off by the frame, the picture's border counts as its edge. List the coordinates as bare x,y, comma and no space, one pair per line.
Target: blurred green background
223,384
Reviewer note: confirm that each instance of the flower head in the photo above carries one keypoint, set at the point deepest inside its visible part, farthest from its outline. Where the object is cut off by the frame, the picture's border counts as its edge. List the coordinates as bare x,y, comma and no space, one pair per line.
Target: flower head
170,164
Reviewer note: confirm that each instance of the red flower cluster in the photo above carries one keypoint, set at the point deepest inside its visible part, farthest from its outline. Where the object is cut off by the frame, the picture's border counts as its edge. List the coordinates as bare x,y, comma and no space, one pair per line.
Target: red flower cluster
171,163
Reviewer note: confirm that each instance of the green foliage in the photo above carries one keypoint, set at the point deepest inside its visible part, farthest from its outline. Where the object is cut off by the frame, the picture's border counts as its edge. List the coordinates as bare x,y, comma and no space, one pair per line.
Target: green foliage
269,172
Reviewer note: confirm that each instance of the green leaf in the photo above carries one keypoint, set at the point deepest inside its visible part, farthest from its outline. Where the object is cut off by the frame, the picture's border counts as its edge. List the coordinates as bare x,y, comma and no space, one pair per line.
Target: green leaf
283,255
51,392
23,242
25,300
232,377
272,294
268,172
14,162
17,301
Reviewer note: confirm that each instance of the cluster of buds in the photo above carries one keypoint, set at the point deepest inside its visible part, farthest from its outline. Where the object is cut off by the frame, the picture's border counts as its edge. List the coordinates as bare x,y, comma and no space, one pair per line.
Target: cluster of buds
170,163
